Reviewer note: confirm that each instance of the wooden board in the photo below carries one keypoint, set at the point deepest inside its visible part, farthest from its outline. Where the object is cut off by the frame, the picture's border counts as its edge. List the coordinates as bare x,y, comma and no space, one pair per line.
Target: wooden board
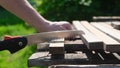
92,41
109,31
105,24
108,26
45,46
106,18
76,45
116,24
56,48
85,66
44,59
69,46
77,58
110,44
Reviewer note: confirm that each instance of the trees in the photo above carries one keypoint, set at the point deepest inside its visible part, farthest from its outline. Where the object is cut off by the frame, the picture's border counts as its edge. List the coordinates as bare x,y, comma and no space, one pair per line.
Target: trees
78,9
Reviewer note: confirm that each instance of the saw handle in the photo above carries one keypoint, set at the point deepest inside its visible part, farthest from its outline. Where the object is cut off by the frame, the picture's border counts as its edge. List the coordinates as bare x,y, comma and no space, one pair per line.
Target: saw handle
13,44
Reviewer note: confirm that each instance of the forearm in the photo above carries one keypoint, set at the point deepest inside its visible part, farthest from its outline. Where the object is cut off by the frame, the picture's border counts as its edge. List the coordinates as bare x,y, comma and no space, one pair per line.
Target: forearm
25,11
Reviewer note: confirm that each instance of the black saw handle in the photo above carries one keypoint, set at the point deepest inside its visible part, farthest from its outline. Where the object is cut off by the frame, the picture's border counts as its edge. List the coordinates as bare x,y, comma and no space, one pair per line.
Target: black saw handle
13,44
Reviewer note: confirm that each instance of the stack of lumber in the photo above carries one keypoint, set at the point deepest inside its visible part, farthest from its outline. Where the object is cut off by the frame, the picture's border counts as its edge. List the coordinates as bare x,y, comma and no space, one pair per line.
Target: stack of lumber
101,34
100,44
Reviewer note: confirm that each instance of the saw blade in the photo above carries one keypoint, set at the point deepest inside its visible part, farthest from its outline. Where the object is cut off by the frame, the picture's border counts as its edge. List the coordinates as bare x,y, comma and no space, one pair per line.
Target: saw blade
48,36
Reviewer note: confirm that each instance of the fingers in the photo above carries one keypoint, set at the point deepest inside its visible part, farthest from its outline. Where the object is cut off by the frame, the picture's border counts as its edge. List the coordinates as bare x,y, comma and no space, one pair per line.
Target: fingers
58,26
64,25
67,26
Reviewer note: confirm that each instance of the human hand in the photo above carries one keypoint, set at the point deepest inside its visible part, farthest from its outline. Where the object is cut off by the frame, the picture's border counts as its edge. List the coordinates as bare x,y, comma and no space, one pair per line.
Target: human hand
57,26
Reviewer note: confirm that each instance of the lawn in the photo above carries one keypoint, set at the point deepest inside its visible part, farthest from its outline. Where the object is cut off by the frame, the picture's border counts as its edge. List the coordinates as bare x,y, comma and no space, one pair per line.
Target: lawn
11,25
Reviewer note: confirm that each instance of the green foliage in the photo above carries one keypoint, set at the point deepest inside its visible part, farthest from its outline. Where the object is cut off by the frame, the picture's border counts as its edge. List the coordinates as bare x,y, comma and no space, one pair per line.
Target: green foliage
19,59
18,29
70,10
7,18
64,9
12,25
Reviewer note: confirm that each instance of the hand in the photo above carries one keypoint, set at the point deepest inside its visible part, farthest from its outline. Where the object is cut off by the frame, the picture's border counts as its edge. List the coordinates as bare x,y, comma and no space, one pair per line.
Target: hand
57,26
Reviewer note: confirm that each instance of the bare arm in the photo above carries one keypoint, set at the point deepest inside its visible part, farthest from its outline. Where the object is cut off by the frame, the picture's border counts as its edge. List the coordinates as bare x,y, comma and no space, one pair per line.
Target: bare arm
25,11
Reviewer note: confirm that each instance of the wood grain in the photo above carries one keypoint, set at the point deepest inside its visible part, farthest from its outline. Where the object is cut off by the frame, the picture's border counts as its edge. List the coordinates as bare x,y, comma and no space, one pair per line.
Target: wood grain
91,40
116,24
56,48
111,44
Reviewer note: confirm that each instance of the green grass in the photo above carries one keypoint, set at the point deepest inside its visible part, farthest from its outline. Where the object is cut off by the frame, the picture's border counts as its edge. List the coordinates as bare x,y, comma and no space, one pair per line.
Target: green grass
11,25
18,59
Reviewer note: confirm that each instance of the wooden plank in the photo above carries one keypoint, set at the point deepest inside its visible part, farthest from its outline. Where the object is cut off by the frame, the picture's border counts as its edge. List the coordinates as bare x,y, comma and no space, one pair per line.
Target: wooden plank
34,58
85,66
116,24
45,46
42,47
117,56
109,31
108,24
106,18
58,40
56,48
109,43
92,41
44,59
74,42
77,45
69,46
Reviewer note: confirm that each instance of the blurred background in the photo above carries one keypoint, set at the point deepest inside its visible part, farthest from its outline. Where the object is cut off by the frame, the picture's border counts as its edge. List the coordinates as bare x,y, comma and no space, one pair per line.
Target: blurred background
53,10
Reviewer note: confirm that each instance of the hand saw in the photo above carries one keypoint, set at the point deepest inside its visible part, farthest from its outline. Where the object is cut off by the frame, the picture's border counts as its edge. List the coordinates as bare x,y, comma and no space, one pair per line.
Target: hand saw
17,43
